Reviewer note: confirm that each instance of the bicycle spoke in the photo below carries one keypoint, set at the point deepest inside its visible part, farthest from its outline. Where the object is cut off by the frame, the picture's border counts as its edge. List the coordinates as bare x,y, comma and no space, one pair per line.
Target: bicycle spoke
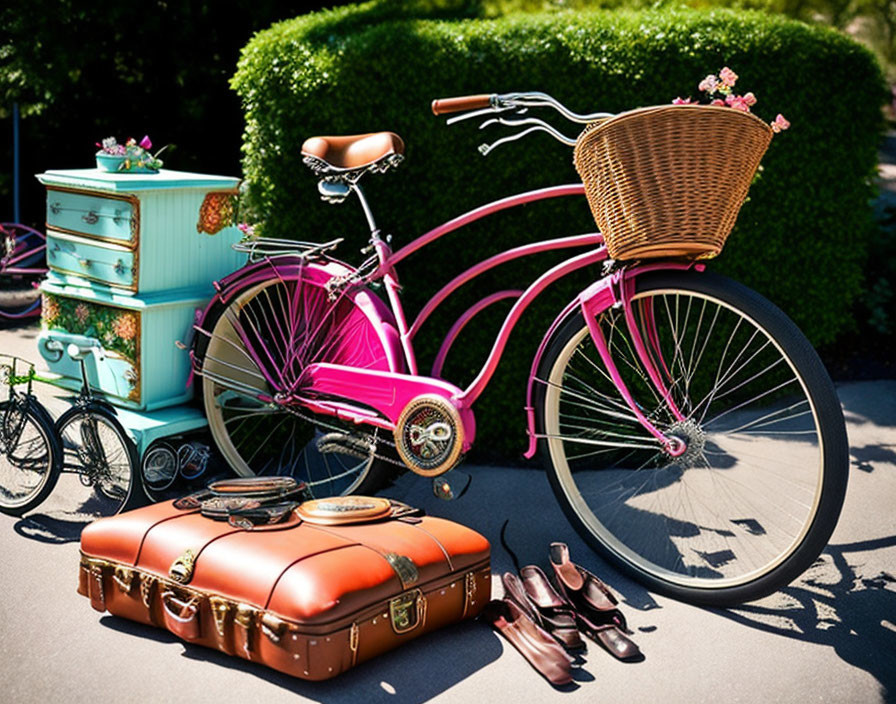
745,490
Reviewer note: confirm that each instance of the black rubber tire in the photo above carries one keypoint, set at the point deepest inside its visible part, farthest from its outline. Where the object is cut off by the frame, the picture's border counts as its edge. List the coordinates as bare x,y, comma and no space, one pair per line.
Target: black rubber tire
134,496
830,420
44,423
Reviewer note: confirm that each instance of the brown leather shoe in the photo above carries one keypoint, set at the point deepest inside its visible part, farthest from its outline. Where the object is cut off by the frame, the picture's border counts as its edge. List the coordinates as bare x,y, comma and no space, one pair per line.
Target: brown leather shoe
596,611
535,644
537,599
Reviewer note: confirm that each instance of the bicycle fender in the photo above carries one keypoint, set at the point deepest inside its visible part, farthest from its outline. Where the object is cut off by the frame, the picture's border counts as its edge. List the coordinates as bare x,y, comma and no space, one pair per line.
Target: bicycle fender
289,269
595,299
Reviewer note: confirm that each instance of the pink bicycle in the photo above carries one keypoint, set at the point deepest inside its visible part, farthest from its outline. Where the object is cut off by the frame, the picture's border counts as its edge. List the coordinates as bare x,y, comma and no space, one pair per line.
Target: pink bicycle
22,265
689,430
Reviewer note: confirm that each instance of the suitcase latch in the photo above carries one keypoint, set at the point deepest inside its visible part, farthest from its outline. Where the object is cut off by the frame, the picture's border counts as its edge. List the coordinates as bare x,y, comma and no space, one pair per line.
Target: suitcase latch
407,611
182,568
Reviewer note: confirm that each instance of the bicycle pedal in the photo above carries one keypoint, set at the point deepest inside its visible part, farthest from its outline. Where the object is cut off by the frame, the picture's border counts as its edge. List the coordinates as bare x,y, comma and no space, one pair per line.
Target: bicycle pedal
441,488
346,444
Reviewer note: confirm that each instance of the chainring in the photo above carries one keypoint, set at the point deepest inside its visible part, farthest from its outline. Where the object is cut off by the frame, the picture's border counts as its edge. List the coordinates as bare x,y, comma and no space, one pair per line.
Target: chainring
429,435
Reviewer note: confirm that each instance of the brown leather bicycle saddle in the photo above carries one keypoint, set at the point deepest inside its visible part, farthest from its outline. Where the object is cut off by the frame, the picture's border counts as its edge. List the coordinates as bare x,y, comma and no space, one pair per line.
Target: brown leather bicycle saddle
353,152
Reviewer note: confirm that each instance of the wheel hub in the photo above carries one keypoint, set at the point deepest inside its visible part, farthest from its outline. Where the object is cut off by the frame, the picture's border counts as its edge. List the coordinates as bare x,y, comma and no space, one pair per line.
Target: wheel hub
691,435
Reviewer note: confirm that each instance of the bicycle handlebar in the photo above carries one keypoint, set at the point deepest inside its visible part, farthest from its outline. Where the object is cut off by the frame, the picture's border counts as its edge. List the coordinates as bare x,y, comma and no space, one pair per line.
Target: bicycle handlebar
443,106
483,105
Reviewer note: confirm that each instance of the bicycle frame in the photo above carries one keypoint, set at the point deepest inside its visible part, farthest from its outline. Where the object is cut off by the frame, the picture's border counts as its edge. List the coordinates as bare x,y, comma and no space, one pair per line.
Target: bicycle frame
338,390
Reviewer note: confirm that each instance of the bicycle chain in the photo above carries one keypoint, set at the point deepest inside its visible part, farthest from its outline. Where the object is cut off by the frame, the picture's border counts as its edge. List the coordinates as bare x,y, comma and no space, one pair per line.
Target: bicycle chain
328,426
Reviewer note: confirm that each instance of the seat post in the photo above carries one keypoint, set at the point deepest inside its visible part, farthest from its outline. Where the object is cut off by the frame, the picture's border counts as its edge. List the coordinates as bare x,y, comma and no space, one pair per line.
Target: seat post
367,212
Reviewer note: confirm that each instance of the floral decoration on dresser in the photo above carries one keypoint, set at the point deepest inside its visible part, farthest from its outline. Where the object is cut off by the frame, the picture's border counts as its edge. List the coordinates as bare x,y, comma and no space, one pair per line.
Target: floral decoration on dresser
117,329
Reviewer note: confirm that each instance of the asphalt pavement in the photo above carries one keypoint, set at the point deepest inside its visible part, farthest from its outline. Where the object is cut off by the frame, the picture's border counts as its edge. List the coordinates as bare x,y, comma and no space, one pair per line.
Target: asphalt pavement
830,636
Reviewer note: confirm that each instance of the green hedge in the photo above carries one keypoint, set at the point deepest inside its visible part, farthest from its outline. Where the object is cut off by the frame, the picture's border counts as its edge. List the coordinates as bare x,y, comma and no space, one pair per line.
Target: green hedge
801,237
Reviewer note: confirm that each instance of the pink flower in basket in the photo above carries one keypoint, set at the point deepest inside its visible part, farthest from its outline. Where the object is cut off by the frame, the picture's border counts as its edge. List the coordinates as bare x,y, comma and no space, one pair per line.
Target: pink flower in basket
709,84
780,124
737,102
729,77
719,93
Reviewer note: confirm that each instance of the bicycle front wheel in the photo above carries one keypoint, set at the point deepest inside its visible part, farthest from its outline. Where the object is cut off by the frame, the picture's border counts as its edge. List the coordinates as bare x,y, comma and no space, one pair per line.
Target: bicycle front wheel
30,455
755,497
97,448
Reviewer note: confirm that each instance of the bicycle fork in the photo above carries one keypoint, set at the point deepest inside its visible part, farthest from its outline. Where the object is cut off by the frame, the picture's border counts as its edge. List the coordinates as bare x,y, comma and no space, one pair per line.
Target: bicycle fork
617,290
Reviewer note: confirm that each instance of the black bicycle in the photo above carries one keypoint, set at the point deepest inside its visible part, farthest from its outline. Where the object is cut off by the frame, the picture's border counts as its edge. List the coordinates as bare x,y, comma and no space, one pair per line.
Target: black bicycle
30,451
86,440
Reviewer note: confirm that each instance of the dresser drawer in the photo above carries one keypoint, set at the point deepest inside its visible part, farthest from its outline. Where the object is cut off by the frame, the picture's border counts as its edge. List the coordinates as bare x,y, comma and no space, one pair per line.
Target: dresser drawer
88,323
108,217
91,260
141,366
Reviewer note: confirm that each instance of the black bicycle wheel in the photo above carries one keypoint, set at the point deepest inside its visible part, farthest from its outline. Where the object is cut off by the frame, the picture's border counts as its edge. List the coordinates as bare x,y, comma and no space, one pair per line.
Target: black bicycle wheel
97,448
30,455
755,498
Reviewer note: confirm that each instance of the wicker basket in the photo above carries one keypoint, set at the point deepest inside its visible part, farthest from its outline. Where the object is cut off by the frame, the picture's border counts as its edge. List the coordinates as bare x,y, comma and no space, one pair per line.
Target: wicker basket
669,181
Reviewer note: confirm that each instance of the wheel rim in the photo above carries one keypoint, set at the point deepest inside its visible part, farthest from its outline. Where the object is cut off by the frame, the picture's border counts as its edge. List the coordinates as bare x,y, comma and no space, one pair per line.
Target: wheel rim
742,498
158,469
95,449
257,437
25,460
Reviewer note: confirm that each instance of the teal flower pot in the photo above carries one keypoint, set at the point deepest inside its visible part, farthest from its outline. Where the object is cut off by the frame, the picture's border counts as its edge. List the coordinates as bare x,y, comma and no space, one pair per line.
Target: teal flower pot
116,163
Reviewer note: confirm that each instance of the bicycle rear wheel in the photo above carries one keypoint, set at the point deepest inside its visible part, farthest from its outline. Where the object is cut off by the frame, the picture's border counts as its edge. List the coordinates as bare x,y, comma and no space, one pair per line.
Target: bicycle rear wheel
30,455
98,449
757,494
273,331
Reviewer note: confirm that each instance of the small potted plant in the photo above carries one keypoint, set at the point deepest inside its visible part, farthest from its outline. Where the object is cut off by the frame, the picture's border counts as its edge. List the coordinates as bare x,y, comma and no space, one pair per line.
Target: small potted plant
131,157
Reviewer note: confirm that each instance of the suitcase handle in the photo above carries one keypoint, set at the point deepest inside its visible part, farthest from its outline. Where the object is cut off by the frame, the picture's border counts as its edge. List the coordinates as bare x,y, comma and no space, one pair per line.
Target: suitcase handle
181,616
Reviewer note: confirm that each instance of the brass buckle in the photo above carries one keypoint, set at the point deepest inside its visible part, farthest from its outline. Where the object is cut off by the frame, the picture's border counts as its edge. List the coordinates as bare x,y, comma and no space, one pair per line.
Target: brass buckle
220,608
146,583
407,611
469,591
404,567
273,627
123,578
244,615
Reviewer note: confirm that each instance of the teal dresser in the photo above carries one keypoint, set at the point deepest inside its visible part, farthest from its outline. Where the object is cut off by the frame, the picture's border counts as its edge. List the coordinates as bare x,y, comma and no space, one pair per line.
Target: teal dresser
132,257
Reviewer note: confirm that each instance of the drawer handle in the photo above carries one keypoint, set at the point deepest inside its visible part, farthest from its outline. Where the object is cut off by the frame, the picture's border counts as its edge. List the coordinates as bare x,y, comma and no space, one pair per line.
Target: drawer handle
56,208
117,217
91,218
85,263
119,267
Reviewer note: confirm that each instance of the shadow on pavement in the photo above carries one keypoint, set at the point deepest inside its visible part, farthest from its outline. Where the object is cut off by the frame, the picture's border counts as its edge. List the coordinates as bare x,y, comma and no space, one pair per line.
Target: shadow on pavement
50,529
406,675
834,605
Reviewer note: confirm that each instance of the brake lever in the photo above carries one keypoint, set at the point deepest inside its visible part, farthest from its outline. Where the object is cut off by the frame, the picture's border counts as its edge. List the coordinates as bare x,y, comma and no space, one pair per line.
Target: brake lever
537,125
477,113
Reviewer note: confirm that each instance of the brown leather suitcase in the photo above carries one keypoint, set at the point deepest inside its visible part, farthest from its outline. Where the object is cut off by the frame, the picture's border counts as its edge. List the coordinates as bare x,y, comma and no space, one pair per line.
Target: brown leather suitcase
310,596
